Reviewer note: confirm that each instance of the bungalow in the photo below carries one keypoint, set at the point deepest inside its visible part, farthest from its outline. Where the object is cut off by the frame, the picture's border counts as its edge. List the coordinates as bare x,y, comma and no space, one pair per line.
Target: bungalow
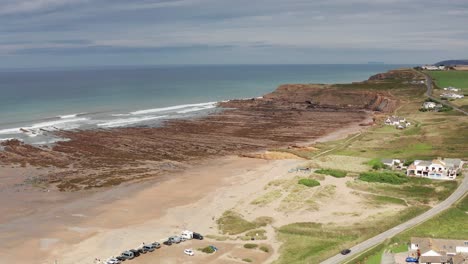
398,122
450,88
393,163
438,169
443,251
452,95
433,68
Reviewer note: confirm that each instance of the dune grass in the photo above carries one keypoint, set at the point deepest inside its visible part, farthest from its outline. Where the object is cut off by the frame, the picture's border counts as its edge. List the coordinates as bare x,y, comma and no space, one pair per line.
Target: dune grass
308,182
383,177
233,223
332,172
314,242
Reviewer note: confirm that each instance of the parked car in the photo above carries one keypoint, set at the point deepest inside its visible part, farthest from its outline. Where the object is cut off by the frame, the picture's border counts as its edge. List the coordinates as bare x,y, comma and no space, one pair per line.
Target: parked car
113,261
121,258
197,236
174,239
167,243
345,251
189,252
411,259
183,239
127,254
135,252
187,234
156,245
149,248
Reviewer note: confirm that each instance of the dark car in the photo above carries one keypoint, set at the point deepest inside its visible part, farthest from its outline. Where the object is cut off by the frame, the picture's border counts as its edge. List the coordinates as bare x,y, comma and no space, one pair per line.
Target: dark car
197,236
345,251
167,243
121,258
136,253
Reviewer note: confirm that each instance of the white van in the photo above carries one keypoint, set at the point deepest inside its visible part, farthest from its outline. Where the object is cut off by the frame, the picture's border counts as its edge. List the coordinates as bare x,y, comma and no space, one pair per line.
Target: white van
187,234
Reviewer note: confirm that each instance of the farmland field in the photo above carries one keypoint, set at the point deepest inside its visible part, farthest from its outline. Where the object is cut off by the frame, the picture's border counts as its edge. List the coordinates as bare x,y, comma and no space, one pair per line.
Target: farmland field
443,79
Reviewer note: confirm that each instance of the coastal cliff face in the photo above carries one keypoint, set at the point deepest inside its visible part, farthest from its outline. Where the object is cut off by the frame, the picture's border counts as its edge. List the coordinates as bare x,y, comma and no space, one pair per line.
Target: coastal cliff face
290,114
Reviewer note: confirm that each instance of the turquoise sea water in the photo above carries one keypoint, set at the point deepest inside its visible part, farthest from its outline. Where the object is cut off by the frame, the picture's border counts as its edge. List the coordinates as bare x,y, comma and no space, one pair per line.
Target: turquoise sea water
33,102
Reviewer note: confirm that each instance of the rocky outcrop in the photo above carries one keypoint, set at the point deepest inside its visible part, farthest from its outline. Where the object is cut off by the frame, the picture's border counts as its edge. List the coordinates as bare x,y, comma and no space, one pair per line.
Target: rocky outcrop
290,114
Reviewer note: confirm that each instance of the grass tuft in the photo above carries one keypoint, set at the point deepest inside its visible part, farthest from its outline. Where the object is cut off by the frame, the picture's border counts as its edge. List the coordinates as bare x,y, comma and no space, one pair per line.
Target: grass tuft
331,172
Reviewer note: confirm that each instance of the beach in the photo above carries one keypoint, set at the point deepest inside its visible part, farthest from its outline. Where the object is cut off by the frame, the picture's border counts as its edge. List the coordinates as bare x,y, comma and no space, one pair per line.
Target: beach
107,190
78,227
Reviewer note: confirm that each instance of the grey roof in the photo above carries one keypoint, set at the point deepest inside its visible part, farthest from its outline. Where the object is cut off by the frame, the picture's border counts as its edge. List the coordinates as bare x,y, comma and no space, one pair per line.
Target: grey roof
454,162
424,163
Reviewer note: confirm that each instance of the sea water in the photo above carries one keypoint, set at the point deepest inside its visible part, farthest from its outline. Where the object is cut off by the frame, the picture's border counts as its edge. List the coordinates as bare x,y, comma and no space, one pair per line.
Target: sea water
34,103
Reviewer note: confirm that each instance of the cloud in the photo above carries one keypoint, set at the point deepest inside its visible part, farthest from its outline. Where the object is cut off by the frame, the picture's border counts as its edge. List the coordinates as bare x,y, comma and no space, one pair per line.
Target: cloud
57,28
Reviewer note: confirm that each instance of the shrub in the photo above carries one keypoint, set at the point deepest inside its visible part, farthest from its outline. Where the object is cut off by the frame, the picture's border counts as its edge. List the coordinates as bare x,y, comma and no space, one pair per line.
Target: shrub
331,172
246,260
264,249
309,182
384,177
207,249
376,164
250,246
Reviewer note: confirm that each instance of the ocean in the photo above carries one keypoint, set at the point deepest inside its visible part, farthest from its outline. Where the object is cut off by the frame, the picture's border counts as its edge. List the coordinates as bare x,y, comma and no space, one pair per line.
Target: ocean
34,103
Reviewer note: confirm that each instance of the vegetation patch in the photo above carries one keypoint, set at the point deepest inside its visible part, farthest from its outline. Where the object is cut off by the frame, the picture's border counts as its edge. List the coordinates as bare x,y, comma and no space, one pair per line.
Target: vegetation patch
246,260
332,172
257,234
267,198
309,182
388,199
314,242
264,249
250,246
376,164
207,250
384,177
233,223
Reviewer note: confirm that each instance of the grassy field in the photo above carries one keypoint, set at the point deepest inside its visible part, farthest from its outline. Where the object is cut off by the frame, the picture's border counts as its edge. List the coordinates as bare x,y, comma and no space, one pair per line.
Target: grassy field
451,224
314,242
458,79
431,135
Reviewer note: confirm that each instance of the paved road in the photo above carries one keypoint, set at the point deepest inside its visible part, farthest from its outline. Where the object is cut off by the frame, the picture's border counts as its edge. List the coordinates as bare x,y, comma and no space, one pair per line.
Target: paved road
429,94
359,248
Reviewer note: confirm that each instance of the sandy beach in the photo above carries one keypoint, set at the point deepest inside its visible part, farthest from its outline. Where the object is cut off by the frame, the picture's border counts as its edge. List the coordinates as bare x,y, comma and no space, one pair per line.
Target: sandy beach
78,227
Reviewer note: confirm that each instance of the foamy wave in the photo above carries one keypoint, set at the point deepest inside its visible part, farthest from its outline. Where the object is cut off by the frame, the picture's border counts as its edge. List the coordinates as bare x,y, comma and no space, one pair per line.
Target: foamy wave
32,130
121,114
170,108
69,116
6,139
195,109
61,124
128,121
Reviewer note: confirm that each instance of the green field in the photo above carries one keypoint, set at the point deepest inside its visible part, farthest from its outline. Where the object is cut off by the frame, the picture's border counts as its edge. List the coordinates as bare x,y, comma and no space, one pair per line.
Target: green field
451,224
443,79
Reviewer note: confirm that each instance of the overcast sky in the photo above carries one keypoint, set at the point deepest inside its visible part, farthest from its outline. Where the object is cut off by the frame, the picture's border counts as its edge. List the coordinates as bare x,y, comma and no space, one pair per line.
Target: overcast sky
51,33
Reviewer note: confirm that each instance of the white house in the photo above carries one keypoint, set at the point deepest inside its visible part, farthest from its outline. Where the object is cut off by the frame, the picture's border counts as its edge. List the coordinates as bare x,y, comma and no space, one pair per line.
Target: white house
452,95
438,169
433,67
450,88
398,122
432,251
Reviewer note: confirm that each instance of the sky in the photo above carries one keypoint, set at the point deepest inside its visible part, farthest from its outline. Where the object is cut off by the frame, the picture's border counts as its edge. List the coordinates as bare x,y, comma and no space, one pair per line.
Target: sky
57,33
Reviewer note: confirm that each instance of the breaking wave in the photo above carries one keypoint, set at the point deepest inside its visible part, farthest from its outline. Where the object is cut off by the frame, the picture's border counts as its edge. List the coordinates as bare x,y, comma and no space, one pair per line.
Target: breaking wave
128,121
170,108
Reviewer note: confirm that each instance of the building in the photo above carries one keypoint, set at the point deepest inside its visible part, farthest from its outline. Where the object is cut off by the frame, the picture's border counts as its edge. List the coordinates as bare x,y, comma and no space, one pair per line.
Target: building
438,169
443,251
393,163
398,122
452,95
450,88
433,67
